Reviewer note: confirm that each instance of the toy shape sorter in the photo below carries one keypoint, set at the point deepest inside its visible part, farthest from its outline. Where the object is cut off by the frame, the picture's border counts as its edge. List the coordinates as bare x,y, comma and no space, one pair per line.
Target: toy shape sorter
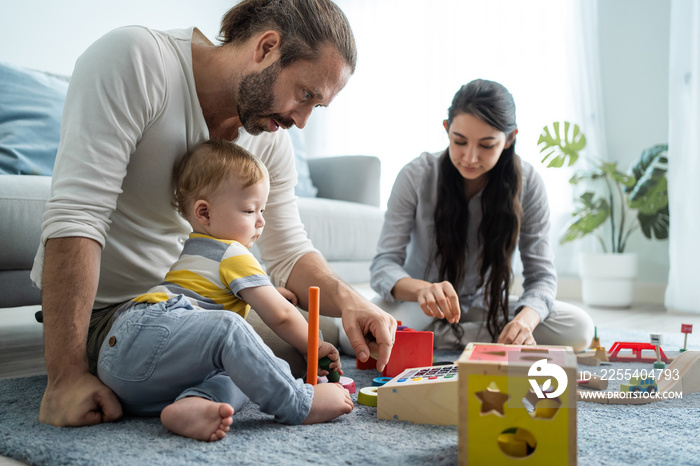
517,404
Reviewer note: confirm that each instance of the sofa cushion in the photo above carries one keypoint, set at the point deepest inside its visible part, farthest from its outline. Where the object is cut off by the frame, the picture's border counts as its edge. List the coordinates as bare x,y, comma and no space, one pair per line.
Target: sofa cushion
31,104
22,201
345,233
304,186
340,230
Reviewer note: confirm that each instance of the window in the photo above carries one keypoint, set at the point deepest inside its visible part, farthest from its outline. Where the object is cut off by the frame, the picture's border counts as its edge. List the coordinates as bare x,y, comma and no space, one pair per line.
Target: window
413,55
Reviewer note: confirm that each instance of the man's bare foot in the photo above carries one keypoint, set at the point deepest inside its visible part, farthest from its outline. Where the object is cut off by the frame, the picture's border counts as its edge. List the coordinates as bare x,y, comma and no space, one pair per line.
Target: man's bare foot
198,418
330,401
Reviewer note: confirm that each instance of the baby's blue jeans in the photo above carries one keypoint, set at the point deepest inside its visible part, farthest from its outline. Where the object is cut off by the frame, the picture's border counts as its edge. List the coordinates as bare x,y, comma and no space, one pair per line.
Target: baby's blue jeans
157,353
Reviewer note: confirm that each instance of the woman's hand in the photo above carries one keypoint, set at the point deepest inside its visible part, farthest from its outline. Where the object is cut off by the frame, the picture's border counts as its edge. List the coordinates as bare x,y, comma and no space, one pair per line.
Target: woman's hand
519,330
440,300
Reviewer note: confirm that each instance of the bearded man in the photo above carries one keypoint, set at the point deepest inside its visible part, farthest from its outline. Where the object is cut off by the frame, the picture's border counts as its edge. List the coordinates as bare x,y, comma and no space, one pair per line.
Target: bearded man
138,101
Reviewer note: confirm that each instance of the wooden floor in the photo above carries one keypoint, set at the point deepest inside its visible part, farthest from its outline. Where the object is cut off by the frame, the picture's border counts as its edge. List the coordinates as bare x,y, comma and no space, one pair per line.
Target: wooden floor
21,343
652,318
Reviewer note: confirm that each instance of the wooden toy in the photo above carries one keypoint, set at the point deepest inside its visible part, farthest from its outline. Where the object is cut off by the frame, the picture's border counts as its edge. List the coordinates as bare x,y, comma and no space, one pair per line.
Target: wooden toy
347,384
601,354
656,340
687,365
638,384
686,329
425,395
412,348
595,343
516,443
595,382
371,363
333,376
312,354
496,385
681,376
367,396
588,358
637,349
379,381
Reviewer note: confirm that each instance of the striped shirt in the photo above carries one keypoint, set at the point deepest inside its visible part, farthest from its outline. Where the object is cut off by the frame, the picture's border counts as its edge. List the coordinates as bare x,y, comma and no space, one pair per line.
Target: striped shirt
210,273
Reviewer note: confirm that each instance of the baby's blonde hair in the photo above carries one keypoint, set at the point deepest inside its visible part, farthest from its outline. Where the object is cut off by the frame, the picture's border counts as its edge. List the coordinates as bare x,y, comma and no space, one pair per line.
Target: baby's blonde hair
200,173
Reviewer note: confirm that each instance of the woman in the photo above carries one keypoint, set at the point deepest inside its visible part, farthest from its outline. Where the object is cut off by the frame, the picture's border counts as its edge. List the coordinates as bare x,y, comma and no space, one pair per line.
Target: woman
453,222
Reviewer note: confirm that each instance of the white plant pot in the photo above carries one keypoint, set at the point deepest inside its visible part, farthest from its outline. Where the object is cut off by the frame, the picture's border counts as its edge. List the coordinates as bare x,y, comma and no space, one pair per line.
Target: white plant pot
607,280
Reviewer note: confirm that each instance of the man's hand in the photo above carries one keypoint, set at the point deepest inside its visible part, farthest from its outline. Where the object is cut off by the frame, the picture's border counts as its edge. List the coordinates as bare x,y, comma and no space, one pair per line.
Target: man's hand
79,402
73,396
371,332
369,329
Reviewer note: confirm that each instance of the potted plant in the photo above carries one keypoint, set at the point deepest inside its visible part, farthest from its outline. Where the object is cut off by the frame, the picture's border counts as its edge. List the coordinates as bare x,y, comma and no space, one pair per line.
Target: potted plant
612,207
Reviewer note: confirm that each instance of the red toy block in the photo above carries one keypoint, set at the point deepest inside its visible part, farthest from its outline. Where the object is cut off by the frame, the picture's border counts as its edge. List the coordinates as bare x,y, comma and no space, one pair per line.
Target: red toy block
371,363
636,351
411,349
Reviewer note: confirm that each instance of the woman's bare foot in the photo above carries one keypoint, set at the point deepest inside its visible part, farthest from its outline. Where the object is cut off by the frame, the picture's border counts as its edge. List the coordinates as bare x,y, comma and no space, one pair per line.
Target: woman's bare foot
198,418
330,401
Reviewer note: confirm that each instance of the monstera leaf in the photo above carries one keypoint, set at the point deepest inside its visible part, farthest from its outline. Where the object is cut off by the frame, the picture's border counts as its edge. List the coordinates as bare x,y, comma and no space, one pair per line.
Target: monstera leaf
654,199
610,168
561,143
590,213
643,190
655,225
582,175
650,192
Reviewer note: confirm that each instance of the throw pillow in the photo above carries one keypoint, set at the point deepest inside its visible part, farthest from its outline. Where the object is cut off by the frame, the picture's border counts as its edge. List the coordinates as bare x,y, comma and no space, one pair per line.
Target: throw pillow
304,186
31,104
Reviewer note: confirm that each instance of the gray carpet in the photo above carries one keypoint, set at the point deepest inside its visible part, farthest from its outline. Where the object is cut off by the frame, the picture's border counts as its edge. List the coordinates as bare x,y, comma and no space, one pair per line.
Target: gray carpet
607,434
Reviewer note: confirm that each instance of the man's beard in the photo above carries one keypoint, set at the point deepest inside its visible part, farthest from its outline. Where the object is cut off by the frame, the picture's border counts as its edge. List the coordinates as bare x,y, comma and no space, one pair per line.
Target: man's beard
256,100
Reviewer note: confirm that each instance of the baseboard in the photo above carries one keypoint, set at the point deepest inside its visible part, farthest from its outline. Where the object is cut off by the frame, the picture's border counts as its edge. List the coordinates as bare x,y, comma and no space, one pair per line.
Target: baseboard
569,289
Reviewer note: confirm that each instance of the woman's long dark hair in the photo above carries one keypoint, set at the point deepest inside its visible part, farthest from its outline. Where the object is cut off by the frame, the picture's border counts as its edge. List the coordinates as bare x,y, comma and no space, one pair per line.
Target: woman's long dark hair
500,204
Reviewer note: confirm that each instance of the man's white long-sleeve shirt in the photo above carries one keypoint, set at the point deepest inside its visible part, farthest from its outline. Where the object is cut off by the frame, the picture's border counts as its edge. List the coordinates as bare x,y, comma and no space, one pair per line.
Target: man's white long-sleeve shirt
131,113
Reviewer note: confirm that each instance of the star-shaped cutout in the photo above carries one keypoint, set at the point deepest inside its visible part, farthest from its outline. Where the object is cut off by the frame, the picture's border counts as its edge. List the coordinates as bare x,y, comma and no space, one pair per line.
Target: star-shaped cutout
492,400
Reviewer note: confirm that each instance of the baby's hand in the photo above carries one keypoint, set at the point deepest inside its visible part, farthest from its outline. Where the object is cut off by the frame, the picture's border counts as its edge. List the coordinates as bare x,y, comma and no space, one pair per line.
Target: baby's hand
329,361
288,295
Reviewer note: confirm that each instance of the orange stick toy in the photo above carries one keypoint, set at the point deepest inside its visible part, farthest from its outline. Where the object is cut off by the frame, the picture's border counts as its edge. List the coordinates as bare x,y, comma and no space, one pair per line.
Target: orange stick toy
312,353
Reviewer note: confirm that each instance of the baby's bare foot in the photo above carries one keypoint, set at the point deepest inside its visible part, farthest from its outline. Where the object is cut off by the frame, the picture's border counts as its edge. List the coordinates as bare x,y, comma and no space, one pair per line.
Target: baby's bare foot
330,401
198,418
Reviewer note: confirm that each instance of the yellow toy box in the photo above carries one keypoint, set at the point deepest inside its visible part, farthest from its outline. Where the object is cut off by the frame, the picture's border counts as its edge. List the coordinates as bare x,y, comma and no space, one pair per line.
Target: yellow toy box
517,405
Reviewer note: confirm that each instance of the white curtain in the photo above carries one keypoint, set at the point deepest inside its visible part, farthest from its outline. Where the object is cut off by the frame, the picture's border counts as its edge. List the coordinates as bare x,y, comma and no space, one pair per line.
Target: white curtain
683,292
415,54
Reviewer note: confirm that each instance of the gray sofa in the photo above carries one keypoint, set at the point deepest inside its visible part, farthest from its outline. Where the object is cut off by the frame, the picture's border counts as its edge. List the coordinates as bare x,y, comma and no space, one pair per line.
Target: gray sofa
343,222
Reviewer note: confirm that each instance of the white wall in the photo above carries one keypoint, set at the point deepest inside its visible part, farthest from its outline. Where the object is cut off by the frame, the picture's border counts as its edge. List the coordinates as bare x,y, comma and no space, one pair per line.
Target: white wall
51,34
634,51
634,41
